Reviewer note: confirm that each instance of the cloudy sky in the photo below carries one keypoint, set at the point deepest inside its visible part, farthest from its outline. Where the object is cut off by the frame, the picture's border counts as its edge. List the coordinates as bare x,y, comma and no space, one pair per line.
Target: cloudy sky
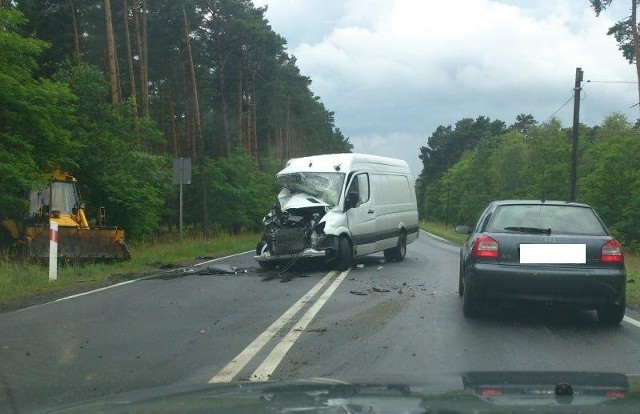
394,70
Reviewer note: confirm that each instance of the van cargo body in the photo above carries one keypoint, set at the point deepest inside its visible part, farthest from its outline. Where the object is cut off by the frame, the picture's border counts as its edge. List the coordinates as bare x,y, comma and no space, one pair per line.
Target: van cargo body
339,207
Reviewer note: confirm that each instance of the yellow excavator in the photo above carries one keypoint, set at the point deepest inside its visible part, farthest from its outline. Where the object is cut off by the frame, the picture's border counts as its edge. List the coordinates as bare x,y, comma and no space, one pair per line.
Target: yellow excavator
77,241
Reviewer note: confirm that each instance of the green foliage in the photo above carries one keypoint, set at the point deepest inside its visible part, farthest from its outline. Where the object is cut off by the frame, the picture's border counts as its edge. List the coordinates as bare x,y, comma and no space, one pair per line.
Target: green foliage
36,117
252,99
117,169
548,166
503,164
613,184
239,193
538,164
446,146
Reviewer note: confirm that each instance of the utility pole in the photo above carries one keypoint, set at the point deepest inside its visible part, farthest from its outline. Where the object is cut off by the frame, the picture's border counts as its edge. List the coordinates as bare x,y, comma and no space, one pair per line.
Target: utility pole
574,142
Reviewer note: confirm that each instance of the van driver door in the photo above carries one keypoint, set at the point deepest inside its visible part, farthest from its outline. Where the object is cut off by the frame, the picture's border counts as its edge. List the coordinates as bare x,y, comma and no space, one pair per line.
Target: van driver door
361,218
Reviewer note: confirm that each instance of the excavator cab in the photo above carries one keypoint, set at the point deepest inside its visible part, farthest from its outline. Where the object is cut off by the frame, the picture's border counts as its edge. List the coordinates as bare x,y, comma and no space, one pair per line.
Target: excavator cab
78,241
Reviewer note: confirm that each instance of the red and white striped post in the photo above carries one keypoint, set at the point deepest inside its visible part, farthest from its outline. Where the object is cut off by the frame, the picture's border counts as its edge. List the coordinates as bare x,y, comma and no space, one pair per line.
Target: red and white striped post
53,251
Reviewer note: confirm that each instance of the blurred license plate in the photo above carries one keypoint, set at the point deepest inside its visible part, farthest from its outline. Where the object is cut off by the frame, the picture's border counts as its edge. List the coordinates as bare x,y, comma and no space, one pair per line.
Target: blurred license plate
553,253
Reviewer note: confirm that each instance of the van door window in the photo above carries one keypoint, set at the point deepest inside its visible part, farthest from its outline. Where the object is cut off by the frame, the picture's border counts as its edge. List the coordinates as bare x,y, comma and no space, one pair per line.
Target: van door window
360,186
363,187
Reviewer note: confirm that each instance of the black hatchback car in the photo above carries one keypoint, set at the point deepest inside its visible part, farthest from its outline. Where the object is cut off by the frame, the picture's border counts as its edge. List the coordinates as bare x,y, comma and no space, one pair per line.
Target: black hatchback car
549,251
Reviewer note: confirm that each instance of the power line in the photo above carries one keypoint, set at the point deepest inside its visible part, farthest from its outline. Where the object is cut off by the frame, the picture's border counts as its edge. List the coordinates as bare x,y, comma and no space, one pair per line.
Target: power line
558,110
604,81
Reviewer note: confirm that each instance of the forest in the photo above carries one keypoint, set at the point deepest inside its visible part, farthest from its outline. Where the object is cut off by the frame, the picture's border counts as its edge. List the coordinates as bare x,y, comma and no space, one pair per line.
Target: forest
113,90
476,161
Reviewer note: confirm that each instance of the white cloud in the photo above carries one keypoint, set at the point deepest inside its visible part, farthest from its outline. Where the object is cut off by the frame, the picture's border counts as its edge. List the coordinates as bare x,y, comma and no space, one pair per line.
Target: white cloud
395,70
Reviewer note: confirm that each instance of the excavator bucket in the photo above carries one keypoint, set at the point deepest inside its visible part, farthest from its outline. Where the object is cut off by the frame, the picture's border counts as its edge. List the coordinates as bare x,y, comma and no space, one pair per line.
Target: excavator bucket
79,244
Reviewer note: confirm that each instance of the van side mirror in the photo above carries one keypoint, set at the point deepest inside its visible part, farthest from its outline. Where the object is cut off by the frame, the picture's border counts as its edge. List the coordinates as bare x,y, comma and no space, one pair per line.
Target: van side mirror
463,229
351,200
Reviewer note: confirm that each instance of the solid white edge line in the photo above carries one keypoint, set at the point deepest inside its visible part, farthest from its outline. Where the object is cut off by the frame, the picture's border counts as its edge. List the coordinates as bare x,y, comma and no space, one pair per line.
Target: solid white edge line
242,359
436,237
632,321
271,362
124,283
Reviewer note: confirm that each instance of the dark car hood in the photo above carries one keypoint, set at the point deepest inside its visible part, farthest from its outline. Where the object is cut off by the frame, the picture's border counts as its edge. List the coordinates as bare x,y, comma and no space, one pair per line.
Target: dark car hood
490,391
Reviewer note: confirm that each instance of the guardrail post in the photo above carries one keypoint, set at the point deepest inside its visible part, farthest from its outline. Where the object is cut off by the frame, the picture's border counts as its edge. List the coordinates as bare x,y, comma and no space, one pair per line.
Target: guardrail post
53,251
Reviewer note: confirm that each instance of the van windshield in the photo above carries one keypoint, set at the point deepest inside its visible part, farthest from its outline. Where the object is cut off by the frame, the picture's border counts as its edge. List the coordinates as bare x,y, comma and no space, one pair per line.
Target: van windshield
324,186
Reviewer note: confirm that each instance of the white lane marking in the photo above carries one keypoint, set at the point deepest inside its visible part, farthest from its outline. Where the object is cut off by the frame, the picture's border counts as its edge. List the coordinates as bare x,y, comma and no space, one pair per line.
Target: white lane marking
436,237
77,295
632,321
235,366
276,356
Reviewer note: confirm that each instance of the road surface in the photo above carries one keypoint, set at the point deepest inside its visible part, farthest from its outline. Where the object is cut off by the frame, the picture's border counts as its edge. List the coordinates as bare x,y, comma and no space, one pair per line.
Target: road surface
378,321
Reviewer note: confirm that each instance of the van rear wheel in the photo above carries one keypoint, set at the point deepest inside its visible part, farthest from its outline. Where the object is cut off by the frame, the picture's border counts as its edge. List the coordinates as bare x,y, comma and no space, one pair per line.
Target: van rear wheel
397,253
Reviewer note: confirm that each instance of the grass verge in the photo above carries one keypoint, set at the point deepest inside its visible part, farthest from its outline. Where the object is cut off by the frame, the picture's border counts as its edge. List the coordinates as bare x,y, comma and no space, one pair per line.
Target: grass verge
20,280
632,261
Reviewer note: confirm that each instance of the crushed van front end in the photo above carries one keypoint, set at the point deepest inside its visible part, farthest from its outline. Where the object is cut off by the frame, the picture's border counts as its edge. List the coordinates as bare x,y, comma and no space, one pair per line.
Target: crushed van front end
297,231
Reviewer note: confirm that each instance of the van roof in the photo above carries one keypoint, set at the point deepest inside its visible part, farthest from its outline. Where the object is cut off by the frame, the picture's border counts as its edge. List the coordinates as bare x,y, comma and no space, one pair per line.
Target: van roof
338,162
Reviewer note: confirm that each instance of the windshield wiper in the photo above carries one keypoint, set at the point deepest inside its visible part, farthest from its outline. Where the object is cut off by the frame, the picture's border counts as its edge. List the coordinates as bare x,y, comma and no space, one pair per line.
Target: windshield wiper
532,230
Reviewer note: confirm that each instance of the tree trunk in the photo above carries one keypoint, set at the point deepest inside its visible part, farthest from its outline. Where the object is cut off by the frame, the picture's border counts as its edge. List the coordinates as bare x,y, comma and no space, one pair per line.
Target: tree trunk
287,129
132,78
76,37
636,44
254,121
144,87
198,127
222,60
113,66
239,140
188,123
225,118
278,143
145,49
174,127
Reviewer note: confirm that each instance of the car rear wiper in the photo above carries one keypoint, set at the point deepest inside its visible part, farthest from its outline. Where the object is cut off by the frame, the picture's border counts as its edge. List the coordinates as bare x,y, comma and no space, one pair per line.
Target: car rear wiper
533,230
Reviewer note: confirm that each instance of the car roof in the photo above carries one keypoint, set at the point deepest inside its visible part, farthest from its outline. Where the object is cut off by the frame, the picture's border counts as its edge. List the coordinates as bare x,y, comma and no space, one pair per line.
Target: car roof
538,202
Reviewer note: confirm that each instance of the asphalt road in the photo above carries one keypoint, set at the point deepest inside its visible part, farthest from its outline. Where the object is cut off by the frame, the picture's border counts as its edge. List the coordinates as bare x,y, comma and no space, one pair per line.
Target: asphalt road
376,322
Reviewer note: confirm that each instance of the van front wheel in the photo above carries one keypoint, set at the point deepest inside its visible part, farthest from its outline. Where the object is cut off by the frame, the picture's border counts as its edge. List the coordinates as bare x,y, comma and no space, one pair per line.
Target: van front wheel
343,261
397,253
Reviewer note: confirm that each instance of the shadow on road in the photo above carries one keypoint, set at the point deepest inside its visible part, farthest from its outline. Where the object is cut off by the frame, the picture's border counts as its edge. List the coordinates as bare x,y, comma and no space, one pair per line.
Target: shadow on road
533,314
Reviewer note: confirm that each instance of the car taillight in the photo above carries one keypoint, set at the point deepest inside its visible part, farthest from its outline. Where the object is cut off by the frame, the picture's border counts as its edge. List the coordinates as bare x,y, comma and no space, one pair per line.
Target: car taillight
489,392
612,252
485,246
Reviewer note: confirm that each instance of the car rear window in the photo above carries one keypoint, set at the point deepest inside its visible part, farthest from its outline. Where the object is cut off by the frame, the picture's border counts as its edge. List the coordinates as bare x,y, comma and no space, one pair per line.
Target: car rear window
558,219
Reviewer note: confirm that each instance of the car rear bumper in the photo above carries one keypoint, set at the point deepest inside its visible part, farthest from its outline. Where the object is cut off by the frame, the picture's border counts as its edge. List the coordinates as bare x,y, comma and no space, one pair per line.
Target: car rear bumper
588,287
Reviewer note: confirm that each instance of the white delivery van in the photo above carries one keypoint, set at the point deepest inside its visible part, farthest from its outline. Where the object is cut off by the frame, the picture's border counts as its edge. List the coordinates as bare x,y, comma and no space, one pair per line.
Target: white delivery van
339,207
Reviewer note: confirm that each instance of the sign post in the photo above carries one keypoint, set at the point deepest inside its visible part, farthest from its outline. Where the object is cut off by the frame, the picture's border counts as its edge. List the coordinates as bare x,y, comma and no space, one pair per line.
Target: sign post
53,251
181,175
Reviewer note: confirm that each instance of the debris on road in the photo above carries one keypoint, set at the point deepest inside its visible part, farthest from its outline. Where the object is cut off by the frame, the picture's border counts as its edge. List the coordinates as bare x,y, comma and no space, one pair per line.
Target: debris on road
360,265
358,292
218,269
202,332
380,290
318,330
